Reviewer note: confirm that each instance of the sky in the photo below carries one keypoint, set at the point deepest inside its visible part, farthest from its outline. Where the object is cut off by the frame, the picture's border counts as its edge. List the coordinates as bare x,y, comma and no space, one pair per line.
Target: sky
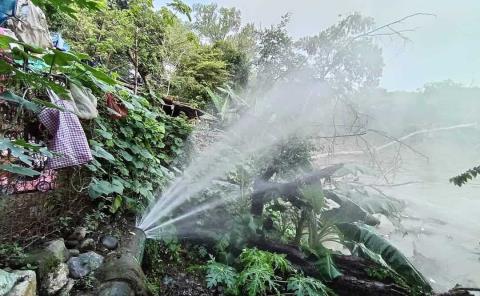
441,47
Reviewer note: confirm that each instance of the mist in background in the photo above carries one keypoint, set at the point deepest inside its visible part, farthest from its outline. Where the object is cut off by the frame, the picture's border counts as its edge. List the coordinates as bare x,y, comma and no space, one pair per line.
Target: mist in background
429,81
440,48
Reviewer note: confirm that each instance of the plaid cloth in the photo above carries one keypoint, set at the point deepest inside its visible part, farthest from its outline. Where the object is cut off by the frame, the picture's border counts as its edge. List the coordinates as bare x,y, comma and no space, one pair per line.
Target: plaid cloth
69,139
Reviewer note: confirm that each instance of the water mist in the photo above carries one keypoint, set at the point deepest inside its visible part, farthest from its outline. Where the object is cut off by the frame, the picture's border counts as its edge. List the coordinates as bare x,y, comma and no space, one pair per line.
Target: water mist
297,109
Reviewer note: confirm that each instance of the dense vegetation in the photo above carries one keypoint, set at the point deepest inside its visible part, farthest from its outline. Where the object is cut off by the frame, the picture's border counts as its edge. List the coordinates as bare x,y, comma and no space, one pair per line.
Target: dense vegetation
271,240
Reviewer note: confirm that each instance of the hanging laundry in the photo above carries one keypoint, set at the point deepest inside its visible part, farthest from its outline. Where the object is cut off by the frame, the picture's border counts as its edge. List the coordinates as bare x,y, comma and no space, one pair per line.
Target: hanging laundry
7,32
30,24
59,43
7,10
85,103
118,110
68,138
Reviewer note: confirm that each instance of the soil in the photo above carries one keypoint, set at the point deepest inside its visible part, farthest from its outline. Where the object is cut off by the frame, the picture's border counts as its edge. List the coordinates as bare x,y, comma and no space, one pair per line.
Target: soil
176,273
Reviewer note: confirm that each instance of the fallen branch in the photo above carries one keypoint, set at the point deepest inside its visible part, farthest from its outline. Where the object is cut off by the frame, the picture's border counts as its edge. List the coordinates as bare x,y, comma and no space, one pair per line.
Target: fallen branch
355,279
265,191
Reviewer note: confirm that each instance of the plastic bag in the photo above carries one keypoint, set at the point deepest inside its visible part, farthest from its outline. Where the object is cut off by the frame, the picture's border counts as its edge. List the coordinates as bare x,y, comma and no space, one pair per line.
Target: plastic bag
30,24
85,106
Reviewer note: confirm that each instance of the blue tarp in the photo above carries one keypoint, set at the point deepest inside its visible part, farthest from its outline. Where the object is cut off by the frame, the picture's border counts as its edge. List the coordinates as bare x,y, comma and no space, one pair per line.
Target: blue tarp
7,9
58,42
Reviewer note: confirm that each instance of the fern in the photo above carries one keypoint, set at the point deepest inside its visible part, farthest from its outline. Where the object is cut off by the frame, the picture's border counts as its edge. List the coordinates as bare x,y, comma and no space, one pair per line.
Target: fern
307,286
253,257
221,274
258,279
465,177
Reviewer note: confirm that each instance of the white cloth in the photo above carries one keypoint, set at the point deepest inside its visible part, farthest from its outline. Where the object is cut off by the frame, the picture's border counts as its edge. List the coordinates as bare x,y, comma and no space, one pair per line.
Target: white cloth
30,24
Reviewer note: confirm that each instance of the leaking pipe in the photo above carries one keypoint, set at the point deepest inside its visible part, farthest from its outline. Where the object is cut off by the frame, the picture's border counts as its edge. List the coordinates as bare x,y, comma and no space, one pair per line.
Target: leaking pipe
121,274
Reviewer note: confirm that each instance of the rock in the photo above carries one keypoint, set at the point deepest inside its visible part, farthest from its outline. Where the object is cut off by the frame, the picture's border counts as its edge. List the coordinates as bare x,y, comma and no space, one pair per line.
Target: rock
7,281
117,288
58,249
84,264
55,280
71,244
92,260
76,269
87,245
78,234
74,252
26,285
67,288
109,242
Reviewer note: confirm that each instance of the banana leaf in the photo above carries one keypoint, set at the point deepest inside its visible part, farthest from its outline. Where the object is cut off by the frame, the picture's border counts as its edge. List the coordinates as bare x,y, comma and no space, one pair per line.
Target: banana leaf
349,212
363,234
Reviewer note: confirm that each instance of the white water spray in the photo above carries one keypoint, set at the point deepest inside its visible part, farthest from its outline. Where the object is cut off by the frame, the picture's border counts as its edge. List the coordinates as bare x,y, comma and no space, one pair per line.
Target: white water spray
287,110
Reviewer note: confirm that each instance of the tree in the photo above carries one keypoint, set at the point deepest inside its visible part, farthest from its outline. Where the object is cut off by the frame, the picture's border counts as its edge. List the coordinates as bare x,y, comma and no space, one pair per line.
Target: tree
131,41
215,23
276,56
345,55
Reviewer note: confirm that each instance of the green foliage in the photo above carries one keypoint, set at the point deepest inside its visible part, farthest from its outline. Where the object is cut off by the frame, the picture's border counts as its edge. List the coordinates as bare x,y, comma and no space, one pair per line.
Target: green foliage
259,268
181,7
262,273
314,195
238,63
71,7
131,154
307,286
21,150
344,55
202,69
10,253
276,55
216,23
257,280
466,177
94,219
221,274
251,258
228,104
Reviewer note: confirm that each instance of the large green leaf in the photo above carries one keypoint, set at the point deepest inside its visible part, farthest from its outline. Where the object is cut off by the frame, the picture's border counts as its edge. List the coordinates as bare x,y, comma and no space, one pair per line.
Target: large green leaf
375,203
100,75
348,212
60,58
363,234
98,151
20,170
5,41
11,97
47,104
104,188
70,7
313,193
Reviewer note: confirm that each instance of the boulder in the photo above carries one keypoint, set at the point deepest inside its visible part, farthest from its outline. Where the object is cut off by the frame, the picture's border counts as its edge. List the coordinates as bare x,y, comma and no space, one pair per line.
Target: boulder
76,269
67,288
26,284
87,245
58,249
55,280
84,264
74,252
78,234
7,281
109,242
